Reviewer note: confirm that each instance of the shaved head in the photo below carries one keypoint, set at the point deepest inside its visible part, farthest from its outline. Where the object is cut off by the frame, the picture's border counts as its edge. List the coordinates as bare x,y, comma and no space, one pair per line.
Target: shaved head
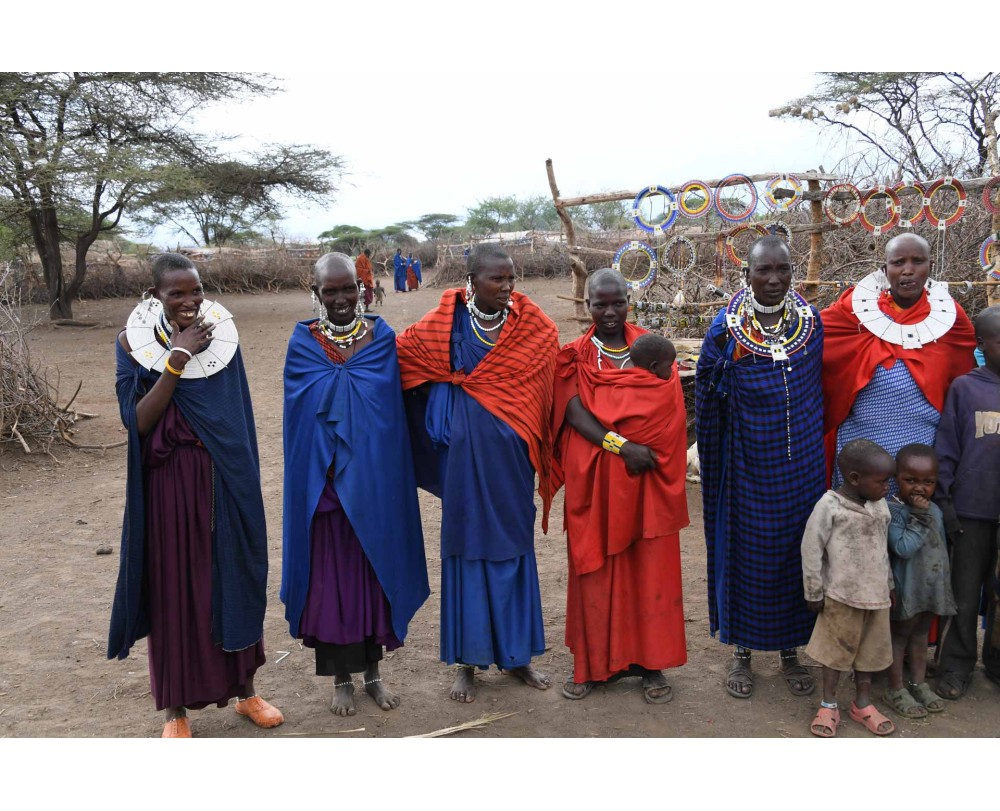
902,239
988,322
333,261
862,456
606,277
770,242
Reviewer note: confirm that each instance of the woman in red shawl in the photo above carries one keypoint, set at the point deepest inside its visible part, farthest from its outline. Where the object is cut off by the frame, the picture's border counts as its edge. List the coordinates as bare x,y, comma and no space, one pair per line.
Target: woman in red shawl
893,344
621,451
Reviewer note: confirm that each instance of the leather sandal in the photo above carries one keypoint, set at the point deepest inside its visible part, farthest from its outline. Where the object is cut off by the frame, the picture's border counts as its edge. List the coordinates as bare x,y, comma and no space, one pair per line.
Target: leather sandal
177,728
743,675
260,712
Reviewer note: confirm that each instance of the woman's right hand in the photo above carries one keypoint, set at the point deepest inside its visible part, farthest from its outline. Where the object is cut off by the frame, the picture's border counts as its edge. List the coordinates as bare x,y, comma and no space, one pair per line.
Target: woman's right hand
638,458
194,339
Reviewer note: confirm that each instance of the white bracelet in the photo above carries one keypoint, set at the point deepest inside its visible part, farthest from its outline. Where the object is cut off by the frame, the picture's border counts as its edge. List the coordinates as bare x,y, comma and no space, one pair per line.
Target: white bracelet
181,349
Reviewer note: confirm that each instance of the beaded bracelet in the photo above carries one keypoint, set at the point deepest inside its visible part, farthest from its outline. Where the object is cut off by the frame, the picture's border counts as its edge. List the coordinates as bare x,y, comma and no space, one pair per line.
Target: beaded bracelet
735,216
850,216
909,222
635,245
669,211
613,442
182,349
943,221
701,192
991,185
171,369
891,206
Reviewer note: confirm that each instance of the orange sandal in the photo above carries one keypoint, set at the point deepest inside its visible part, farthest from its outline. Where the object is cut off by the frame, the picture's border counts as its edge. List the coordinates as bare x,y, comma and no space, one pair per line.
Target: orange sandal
825,723
260,712
177,728
871,719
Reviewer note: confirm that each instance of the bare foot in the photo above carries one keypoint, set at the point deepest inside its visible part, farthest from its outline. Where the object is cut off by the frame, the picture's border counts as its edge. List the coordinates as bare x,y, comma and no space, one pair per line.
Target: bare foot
531,677
381,696
343,699
464,688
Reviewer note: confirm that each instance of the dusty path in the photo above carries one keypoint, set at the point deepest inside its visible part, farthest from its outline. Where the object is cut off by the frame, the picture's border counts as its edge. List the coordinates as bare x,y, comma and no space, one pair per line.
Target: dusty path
55,592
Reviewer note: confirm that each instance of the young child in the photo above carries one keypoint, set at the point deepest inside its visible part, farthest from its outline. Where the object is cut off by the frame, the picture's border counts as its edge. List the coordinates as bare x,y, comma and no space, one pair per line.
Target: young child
968,492
654,353
379,293
848,583
919,558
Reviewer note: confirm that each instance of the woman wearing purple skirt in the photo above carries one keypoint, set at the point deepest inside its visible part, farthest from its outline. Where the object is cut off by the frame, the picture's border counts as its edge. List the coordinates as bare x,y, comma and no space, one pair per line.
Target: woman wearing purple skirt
193,567
353,568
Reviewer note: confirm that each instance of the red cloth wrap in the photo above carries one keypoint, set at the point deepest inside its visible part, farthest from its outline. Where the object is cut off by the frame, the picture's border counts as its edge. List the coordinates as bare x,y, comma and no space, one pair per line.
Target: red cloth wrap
513,382
851,354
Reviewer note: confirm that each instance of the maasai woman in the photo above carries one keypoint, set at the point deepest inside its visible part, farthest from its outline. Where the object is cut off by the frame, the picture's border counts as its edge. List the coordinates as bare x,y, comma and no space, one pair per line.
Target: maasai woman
621,448
353,569
483,422
892,316
411,274
193,570
760,442
399,272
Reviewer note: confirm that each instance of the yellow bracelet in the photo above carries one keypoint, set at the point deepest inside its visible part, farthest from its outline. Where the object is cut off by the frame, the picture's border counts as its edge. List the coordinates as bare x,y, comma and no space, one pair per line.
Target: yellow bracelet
613,442
171,369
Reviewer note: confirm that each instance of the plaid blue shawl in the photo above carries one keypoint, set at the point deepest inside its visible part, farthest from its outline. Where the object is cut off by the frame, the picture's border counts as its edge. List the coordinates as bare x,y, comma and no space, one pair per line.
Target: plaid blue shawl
756,499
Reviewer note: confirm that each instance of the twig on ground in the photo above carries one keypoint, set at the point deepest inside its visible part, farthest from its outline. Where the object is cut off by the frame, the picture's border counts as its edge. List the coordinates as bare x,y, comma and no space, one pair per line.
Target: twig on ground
489,718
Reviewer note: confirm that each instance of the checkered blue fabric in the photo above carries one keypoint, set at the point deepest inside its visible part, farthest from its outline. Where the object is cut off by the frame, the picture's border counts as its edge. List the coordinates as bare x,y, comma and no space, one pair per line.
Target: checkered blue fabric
891,411
756,499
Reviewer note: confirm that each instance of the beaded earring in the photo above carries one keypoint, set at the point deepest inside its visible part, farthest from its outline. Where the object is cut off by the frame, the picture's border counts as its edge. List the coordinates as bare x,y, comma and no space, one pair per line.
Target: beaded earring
359,309
317,306
469,292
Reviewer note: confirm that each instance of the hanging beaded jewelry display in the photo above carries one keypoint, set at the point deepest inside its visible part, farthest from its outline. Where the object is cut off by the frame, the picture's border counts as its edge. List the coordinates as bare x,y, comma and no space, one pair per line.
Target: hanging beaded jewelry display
991,186
731,242
780,229
774,342
148,334
619,356
940,221
669,210
909,222
782,202
477,316
699,209
629,247
829,199
988,256
676,242
941,318
344,337
736,216
891,206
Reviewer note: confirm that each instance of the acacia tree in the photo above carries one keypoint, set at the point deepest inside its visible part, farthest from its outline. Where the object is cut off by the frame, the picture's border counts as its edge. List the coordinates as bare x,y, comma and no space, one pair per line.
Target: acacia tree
77,150
222,198
915,124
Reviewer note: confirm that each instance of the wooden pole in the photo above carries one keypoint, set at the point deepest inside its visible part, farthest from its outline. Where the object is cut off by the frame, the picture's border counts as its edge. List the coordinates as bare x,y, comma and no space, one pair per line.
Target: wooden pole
815,246
575,262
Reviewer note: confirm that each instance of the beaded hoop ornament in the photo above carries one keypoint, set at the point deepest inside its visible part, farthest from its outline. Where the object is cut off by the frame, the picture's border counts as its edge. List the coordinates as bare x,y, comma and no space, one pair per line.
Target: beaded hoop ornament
991,185
940,221
909,222
776,203
941,318
740,216
731,242
738,313
988,248
780,229
670,213
629,247
694,187
891,205
665,255
845,219
145,320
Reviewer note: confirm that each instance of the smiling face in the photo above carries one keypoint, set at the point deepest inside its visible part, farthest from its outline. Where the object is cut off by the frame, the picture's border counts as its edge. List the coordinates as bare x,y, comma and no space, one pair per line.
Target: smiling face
181,294
492,284
907,264
337,288
770,273
917,476
608,305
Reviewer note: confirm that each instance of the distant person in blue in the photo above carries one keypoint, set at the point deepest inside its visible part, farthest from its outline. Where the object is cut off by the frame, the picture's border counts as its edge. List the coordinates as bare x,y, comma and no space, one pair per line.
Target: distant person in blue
193,570
353,569
399,272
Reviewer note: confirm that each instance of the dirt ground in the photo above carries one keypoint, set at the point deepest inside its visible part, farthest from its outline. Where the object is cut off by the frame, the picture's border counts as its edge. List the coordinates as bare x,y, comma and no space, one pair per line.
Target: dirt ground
56,592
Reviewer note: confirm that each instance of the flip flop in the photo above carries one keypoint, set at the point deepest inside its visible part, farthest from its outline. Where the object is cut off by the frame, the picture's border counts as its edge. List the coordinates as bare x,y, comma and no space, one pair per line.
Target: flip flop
798,673
647,688
928,699
587,687
871,719
902,703
826,722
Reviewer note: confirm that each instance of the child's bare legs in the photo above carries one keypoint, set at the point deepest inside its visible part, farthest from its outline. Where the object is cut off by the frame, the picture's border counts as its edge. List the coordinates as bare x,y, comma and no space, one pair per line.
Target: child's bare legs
902,635
862,689
831,678
918,646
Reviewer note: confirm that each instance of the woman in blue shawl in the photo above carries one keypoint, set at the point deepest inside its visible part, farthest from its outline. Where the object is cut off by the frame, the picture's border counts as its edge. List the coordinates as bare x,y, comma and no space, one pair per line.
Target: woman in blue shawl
193,570
353,569
759,409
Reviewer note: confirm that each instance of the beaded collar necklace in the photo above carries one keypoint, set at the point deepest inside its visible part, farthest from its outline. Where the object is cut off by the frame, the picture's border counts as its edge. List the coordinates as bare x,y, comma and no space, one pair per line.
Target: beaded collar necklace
620,356
344,336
